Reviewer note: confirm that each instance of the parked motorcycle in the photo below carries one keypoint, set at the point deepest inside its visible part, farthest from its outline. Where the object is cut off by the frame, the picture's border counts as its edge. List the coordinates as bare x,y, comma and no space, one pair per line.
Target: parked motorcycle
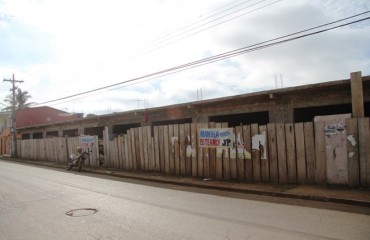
77,160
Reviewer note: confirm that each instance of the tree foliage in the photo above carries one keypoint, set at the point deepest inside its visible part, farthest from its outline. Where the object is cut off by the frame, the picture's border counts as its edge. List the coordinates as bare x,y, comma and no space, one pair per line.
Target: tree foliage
21,100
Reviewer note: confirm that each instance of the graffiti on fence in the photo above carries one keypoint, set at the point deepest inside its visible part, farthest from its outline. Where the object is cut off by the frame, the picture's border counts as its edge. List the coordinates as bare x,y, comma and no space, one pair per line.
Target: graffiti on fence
259,144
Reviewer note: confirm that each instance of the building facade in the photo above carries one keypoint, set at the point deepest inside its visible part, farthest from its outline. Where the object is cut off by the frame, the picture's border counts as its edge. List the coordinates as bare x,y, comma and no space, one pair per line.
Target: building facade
285,105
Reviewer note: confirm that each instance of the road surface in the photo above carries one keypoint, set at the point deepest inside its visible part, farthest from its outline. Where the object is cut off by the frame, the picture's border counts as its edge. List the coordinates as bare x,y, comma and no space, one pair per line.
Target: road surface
43,203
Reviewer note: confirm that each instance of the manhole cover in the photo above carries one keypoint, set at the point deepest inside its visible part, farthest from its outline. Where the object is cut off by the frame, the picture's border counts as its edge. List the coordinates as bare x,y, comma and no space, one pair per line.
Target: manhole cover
81,212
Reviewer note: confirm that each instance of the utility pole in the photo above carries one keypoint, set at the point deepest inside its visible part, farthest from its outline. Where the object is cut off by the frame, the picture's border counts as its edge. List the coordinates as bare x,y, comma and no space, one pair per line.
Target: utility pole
14,127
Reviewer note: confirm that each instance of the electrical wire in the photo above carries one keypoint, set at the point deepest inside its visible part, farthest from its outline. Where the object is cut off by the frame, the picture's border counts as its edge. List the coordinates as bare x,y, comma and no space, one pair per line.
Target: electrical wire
219,57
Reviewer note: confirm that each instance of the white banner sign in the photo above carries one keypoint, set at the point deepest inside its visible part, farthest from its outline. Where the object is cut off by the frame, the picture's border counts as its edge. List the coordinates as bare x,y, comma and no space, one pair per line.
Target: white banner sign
87,141
216,137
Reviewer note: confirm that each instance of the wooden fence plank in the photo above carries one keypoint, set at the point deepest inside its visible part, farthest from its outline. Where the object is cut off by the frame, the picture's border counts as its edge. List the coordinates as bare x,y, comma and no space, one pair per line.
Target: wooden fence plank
137,149
129,151
135,154
320,152
281,149
301,153
182,142
121,151
219,158
200,152
273,157
124,152
161,149
206,159
310,151
176,142
353,151
226,158
146,138
291,153
265,162
239,147
166,150
256,156
194,158
188,149
233,164
156,149
364,151
140,149
151,156
171,147
247,138
212,156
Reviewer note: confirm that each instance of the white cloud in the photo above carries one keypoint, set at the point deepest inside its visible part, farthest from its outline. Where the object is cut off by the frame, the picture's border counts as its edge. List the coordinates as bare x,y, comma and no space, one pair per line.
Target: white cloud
67,47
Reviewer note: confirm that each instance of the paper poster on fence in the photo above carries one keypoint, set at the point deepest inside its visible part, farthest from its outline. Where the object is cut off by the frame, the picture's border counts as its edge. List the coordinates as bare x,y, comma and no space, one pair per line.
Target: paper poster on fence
259,144
216,137
87,141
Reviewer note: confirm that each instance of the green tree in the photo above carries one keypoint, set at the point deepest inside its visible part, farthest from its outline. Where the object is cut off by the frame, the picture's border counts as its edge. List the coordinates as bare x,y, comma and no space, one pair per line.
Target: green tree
21,100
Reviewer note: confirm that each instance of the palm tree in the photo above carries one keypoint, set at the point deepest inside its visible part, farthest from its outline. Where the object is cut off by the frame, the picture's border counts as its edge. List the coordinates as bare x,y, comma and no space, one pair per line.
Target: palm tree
21,99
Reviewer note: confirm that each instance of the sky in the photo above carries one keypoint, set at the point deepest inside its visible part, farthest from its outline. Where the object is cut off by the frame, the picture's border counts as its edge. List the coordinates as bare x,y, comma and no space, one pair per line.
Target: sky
64,48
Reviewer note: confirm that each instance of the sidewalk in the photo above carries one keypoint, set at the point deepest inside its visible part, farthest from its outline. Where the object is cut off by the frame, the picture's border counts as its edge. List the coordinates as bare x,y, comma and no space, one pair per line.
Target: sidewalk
343,195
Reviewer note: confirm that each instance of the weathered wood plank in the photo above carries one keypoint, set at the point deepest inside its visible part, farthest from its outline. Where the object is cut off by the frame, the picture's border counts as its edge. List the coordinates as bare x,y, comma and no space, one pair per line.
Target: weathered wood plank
320,152
239,146
161,149
310,151
194,158
226,158
141,163
125,153
233,164
218,158
265,162
146,138
247,138
281,149
171,149
205,153
176,142
301,153
256,156
291,153
353,153
134,153
182,142
212,156
166,149
150,149
156,144
273,155
364,151
187,131
129,151
200,152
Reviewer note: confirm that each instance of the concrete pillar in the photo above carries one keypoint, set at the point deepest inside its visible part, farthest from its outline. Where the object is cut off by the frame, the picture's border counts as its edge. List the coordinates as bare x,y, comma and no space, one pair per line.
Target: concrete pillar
357,95
81,131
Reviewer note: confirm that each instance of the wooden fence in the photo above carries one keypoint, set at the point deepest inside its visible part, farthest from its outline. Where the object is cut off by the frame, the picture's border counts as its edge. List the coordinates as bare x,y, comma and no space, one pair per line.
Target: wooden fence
294,153
55,149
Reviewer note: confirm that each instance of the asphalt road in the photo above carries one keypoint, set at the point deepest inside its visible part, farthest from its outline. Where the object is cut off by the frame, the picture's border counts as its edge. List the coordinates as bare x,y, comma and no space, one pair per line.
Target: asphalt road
42,203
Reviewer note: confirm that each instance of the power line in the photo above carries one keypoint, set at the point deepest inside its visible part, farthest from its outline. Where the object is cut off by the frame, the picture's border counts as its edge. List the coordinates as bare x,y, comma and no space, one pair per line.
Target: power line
184,32
222,56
